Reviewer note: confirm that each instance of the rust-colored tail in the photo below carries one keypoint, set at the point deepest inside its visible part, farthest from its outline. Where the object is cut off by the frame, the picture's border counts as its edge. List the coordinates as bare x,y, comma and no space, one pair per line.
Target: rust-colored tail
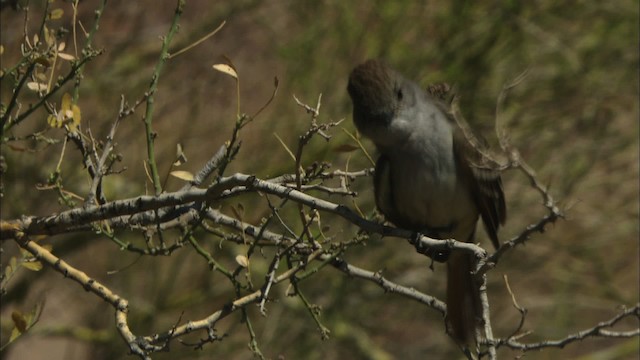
464,310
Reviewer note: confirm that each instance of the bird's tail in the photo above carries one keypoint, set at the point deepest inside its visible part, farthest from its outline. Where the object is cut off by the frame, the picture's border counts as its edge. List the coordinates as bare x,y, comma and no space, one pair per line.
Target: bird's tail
464,310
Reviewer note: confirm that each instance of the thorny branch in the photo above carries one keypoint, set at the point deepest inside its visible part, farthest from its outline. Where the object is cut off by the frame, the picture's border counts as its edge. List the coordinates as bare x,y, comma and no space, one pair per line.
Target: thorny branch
293,252
600,330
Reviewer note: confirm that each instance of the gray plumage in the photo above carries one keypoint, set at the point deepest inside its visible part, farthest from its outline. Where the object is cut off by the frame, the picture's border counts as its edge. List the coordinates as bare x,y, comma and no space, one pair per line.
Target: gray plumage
427,178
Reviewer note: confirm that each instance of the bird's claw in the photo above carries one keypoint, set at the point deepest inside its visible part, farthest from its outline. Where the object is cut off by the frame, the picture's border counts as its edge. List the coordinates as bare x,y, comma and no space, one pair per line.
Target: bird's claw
439,255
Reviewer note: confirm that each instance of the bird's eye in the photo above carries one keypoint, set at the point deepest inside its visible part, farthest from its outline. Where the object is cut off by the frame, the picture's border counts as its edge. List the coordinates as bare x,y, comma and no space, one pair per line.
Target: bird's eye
399,94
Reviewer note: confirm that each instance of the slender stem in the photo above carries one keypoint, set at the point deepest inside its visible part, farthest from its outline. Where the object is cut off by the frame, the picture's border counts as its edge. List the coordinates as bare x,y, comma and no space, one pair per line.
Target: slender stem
87,46
14,97
153,86
486,318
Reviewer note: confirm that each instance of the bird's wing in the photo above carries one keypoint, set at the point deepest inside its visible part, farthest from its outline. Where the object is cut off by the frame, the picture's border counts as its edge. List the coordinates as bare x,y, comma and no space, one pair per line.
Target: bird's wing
484,179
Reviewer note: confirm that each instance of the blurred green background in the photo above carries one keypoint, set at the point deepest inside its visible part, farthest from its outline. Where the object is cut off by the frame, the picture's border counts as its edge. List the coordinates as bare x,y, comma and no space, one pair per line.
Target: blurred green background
574,118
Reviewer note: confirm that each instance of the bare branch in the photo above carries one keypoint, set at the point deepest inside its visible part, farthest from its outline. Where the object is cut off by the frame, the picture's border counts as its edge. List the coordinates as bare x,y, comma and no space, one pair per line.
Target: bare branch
600,330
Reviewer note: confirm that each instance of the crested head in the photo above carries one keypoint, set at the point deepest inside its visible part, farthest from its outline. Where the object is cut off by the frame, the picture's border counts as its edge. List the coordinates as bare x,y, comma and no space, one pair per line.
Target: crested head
372,87
379,94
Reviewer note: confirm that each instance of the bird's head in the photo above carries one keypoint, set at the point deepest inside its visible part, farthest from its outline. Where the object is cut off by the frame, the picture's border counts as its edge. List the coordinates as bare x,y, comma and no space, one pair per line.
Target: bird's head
378,93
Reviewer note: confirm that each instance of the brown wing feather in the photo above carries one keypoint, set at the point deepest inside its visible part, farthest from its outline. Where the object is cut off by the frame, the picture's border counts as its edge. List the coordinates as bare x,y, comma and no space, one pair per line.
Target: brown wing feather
485,183
484,180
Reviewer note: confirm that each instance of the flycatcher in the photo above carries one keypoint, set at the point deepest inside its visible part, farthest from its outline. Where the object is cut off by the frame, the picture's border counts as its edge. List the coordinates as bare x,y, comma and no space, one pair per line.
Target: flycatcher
427,178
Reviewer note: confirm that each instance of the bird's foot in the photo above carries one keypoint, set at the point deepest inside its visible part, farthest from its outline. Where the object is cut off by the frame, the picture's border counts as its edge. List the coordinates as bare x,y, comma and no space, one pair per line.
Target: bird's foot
438,255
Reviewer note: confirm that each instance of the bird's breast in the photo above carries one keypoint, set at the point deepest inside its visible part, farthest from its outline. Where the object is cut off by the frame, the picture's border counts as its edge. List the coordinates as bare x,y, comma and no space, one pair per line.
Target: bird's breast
427,192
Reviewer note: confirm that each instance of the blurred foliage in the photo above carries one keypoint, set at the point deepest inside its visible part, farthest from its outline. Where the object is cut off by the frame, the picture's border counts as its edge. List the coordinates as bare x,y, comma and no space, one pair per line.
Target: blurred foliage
574,117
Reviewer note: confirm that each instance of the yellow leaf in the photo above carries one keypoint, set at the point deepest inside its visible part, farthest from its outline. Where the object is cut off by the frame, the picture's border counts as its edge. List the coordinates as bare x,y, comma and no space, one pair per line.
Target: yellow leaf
56,14
182,175
224,68
73,127
32,265
61,46
66,103
52,120
75,112
48,37
1,49
15,333
242,261
67,57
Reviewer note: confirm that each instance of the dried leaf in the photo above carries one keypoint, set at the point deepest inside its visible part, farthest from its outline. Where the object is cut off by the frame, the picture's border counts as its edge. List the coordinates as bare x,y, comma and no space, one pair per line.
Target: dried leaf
76,114
49,38
182,175
15,333
242,261
32,265
61,46
181,158
19,321
36,86
52,120
65,56
42,77
66,102
227,69
23,322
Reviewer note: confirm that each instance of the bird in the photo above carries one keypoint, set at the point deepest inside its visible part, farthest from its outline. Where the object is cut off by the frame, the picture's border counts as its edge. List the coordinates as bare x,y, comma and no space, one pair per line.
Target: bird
429,179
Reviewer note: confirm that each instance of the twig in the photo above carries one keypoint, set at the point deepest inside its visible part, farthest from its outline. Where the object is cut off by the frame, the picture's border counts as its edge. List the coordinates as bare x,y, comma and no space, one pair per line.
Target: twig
521,310
597,331
197,42
153,86
486,318
389,286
